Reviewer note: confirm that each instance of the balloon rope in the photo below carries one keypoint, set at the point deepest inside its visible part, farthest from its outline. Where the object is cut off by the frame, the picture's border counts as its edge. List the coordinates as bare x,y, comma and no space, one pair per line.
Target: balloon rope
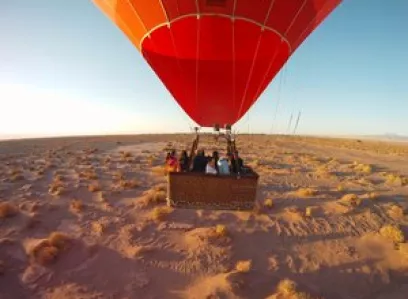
197,65
282,75
233,67
254,59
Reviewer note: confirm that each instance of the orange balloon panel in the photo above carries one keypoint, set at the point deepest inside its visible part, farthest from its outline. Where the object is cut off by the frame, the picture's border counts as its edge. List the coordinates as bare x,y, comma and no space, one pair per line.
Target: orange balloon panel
216,57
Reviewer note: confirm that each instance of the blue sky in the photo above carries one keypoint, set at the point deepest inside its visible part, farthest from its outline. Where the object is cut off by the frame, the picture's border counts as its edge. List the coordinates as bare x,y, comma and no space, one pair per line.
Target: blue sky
66,69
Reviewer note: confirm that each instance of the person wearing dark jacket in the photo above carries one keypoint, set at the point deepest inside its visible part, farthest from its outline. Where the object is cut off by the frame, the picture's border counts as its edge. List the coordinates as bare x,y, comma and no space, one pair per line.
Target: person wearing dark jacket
199,162
236,163
184,161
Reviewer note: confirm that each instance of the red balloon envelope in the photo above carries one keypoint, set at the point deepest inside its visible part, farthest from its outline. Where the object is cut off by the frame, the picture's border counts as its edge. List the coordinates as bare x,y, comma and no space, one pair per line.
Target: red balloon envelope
216,57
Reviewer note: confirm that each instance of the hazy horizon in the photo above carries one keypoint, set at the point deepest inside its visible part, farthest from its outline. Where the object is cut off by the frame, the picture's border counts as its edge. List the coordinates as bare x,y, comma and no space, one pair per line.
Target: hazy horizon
65,69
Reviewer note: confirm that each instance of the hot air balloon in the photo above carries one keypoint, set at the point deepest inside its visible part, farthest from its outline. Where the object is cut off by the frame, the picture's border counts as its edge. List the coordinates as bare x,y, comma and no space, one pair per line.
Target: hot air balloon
216,57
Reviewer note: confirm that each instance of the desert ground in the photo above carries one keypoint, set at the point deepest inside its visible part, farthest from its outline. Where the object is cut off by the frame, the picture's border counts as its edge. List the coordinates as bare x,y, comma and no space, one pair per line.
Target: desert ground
86,217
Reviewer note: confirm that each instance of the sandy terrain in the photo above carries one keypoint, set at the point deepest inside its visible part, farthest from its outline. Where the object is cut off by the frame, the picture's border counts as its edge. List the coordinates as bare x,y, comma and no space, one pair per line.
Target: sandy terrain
86,218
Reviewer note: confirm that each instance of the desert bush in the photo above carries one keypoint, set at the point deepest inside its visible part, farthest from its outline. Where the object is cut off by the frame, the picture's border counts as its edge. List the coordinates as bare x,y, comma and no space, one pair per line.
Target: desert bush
7,210
243,266
393,233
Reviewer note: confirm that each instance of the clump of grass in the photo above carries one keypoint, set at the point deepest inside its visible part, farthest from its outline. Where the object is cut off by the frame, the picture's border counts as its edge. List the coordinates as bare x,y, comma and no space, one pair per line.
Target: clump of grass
305,192
160,213
159,196
98,227
160,187
364,168
221,230
340,188
287,287
309,212
40,172
88,174
17,177
76,206
59,240
47,251
395,212
125,154
129,184
268,203
56,188
398,180
373,195
322,171
351,199
243,266
118,175
7,210
94,187
393,233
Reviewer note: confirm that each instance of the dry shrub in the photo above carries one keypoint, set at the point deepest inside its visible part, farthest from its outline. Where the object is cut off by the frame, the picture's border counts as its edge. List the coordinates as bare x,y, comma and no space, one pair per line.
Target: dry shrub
58,240
161,187
44,254
118,175
160,213
94,187
351,199
395,212
309,211
56,187
40,172
393,233
322,171
58,178
7,210
88,174
17,177
125,154
129,184
243,266
98,227
47,251
159,196
221,230
364,168
287,289
107,160
373,195
398,180
56,190
76,206
268,203
305,192
340,188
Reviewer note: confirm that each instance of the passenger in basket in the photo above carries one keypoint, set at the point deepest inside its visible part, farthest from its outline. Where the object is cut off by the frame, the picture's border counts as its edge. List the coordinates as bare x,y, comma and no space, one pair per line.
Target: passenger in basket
210,168
223,167
199,162
236,163
216,157
172,163
184,161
